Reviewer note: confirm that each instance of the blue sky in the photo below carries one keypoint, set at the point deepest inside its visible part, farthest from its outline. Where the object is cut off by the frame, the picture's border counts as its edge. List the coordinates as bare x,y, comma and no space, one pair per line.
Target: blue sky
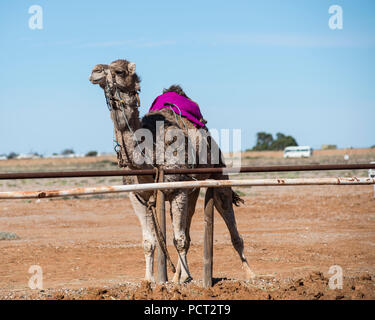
272,66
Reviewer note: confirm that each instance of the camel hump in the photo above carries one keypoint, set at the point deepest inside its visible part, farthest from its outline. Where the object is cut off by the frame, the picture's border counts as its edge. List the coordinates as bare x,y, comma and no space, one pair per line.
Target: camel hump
182,106
169,117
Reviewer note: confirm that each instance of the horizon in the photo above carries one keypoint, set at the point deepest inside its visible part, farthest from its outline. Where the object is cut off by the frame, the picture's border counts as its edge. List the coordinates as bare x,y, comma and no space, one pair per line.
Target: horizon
278,64
113,153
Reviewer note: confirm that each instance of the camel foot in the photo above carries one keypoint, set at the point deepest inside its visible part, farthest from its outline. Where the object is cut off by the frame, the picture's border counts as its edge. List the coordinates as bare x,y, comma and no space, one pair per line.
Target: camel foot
250,275
187,279
177,279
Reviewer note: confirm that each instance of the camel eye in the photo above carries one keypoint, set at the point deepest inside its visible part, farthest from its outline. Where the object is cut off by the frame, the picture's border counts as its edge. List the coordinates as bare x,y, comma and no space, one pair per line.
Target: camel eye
119,72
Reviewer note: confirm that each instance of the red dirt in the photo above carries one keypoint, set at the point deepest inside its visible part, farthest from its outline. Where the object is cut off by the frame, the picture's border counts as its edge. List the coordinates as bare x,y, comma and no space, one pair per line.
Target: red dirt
90,248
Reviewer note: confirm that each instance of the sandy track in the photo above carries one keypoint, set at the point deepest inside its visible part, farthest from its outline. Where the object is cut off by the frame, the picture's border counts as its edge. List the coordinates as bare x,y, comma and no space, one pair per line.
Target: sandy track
290,234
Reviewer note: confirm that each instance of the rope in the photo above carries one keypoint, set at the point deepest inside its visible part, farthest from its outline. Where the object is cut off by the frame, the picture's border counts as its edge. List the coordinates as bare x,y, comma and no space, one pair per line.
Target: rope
150,205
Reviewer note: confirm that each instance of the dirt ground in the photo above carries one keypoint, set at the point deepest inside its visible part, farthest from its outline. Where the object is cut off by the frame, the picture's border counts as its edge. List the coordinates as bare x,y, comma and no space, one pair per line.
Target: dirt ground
90,248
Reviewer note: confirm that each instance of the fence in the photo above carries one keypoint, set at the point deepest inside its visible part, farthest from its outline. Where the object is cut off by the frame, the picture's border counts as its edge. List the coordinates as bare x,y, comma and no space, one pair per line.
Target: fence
184,185
209,205
78,174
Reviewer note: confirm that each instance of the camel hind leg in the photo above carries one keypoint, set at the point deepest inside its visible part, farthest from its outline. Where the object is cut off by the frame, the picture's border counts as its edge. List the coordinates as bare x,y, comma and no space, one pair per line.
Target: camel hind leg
193,197
179,213
223,201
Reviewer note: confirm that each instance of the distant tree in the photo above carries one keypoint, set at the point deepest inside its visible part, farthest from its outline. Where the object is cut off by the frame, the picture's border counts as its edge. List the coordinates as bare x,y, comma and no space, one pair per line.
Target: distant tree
12,155
372,147
265,141
282,141
67,152
91,154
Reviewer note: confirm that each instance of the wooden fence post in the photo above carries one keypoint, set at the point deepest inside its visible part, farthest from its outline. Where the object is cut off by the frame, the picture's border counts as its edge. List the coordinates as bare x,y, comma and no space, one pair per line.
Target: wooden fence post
208,238
160,207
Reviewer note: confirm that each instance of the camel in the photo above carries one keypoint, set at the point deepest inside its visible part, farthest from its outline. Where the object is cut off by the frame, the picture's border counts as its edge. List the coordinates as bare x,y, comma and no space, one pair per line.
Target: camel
121,86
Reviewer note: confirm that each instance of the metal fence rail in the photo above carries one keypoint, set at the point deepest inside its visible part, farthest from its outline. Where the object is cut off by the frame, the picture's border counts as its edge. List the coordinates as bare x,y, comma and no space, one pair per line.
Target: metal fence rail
103,173
184,185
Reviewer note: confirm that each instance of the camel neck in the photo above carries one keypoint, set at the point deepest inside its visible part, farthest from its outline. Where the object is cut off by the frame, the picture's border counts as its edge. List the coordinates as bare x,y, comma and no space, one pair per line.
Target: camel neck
129,110
126,122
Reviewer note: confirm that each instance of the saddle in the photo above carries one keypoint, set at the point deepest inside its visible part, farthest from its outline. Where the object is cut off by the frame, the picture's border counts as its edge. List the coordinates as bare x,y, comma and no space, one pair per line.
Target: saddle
181,106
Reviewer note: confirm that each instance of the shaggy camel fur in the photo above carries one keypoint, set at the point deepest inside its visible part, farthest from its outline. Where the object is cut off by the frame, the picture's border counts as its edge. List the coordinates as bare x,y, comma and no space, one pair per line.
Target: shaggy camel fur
122,85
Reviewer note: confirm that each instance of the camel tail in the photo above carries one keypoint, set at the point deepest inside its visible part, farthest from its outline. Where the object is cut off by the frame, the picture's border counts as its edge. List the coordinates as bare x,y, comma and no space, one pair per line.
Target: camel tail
236,199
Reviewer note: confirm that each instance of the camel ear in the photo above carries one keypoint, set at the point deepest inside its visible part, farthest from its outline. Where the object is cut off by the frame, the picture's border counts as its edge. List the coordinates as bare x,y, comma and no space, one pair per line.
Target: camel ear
131,67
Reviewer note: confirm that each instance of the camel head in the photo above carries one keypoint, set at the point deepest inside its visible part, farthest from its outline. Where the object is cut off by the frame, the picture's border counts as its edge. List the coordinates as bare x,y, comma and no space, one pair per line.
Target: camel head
119,74
99,75
121,86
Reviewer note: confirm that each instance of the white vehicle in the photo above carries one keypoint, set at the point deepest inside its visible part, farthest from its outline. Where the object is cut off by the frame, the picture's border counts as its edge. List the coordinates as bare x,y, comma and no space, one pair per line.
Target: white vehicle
298,152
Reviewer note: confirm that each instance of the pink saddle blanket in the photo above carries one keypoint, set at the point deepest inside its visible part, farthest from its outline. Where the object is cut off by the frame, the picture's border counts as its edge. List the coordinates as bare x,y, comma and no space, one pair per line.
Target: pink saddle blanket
180,105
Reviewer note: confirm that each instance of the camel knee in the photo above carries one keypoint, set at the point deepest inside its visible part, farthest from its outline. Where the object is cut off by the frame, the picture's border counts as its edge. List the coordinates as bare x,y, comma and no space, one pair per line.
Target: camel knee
181,243
148,246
